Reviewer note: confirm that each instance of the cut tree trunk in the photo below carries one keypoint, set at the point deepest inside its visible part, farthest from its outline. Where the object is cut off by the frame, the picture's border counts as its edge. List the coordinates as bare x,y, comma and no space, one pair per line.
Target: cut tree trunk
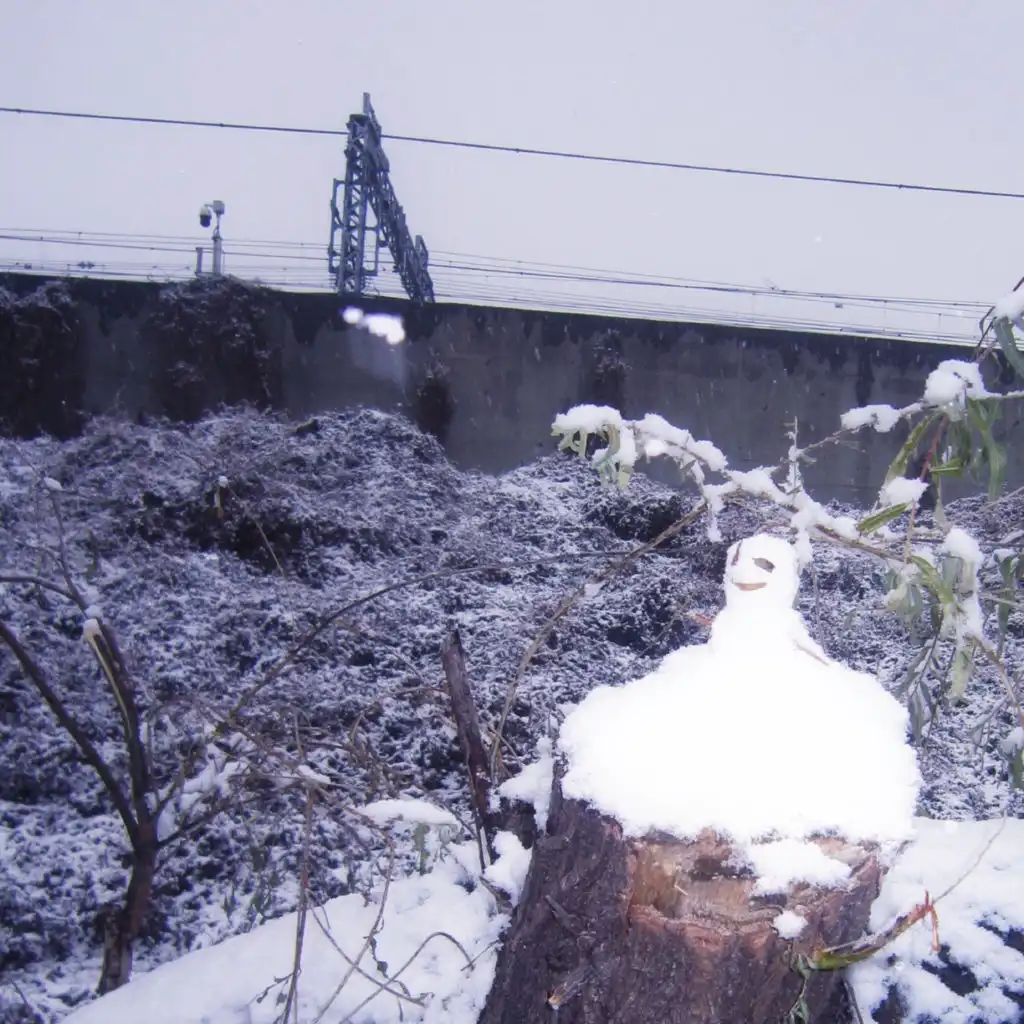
121,926
663,931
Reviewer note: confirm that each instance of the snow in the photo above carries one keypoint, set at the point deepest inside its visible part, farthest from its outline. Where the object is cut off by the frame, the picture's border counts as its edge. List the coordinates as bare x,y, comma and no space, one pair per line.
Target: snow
590,419
415,953
659,429
1013,742
778,865
986,904
952,381
969,618
789,924
381,325
202,612
508,872
91,629
881,417
311,775
902,490
960,544
533,783
757,482
733,735
411,812
1011,306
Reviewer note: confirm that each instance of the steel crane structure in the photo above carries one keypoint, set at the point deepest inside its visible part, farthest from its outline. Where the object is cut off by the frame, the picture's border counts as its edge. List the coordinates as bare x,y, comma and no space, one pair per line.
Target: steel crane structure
367,186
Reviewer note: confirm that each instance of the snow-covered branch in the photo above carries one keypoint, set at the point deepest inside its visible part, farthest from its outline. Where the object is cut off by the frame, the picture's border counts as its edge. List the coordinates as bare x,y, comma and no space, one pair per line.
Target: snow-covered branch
955,415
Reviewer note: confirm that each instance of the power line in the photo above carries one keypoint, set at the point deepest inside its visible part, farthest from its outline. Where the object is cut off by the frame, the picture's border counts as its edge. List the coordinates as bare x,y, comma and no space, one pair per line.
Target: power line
474,294
488,267
530,151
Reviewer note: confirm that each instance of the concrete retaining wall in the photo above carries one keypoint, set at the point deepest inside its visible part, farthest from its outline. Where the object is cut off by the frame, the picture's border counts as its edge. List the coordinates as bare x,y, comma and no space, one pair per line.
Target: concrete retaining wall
487,381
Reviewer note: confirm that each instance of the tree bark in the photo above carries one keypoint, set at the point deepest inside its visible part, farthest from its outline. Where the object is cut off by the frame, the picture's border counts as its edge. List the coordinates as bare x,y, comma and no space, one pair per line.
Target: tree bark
467,722
122,926
611,930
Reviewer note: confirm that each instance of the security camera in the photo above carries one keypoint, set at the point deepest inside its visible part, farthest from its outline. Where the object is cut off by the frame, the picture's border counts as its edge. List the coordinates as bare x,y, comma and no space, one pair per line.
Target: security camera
205,215
218,207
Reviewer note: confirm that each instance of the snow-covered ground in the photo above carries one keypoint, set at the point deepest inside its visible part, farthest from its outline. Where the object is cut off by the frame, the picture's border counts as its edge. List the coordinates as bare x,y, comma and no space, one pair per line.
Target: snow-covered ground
209,582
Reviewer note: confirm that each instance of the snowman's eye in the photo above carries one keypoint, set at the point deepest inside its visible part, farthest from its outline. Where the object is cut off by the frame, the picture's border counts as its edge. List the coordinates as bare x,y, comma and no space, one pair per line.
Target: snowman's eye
765,564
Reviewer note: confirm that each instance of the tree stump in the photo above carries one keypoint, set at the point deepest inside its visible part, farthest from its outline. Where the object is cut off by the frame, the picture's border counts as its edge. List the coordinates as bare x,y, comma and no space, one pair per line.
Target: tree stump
613,930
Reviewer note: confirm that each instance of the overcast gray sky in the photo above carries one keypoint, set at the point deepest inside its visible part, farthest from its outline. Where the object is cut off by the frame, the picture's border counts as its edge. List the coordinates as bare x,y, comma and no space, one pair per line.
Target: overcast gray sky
922,91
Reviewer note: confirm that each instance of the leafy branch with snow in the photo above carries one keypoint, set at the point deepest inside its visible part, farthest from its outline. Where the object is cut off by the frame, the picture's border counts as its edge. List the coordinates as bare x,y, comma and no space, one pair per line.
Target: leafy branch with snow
940,580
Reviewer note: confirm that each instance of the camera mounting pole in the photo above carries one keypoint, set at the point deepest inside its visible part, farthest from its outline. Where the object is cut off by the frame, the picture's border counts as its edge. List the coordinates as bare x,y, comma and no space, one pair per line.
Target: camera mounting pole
366,186
206,213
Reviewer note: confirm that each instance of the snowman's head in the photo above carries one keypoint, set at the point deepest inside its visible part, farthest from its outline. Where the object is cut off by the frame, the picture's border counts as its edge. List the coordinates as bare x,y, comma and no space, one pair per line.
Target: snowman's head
761,573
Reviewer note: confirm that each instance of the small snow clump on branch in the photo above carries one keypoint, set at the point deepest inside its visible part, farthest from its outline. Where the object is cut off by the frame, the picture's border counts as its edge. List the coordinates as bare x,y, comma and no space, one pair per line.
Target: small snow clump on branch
952,383
969,619
880,417
902,490
1011,307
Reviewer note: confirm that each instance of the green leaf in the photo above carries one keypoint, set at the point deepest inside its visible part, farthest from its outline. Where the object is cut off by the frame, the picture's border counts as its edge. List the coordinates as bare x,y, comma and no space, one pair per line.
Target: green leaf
877,520
915,672
995,455
933,580
1017,770
1008,344
920,713
953,467
906,453
983,415
960,442
1008,568
963,666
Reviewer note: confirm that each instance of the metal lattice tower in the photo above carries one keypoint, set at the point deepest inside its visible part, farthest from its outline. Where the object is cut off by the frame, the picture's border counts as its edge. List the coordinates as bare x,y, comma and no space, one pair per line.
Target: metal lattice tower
367,186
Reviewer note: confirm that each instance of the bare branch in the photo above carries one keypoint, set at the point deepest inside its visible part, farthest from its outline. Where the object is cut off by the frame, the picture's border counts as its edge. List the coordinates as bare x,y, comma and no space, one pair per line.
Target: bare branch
603,575
38,581
332,617
85,745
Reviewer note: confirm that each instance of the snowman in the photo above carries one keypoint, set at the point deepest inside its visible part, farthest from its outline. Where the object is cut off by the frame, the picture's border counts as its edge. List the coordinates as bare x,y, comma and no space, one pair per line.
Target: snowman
757,734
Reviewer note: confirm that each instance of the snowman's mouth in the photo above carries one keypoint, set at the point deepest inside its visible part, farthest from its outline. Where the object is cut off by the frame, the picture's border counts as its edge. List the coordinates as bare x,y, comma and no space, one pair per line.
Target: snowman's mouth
749,586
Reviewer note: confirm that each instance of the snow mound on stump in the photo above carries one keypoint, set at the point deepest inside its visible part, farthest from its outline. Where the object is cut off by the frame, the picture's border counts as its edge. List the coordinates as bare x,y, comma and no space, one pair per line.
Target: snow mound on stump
756,735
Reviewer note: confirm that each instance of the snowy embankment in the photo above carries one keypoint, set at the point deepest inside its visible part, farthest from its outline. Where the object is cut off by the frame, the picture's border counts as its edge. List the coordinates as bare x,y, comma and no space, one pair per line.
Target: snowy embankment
209,584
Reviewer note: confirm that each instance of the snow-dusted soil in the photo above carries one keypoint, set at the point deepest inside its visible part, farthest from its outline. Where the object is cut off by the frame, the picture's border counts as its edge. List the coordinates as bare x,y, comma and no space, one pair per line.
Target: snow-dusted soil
206,600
